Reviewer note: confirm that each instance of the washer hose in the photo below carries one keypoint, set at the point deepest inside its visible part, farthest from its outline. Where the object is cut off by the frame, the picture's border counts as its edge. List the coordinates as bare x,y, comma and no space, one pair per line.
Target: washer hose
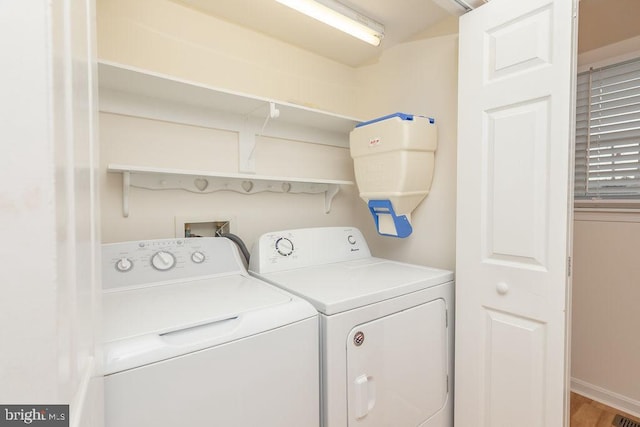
238,241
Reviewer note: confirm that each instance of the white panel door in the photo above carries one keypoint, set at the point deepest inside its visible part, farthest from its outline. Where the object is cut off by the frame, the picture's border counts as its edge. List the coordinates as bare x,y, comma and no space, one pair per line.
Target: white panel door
515,124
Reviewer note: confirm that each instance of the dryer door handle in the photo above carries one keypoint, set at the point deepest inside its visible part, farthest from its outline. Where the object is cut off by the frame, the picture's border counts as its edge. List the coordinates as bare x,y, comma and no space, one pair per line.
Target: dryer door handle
365,395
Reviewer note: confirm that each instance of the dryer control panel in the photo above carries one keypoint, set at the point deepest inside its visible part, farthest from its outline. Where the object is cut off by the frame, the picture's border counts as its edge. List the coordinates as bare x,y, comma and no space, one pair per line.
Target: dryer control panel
147,262
305,247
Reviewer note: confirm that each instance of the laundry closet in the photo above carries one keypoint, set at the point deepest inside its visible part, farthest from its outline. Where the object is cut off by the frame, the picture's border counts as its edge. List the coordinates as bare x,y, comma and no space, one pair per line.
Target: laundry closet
184,93
420,75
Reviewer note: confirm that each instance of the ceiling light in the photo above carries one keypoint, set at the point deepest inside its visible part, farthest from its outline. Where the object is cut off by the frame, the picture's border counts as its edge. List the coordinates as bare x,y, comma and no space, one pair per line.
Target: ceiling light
340,17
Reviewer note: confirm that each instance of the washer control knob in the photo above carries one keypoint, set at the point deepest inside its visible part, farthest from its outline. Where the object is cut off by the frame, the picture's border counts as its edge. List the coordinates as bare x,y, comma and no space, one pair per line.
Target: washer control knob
197,257
163,261
284,246
124,264
351,239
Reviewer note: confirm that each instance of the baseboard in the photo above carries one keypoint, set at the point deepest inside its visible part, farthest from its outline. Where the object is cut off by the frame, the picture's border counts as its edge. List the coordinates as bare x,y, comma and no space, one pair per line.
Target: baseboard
615,400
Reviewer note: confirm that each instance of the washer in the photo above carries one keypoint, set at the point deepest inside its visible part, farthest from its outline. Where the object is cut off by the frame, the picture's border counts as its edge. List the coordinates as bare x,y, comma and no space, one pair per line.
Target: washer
191,339
386,327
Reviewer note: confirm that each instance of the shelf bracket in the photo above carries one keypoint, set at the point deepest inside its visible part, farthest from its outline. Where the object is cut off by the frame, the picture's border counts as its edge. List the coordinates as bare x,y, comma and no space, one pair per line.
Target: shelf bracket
126,186
274,113
246,148
247,139
331,192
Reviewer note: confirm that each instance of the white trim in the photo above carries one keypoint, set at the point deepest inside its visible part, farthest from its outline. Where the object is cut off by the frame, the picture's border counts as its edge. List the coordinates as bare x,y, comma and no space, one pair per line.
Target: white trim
609,54
203,182
607,212
606,215
82,410
622,205
615,400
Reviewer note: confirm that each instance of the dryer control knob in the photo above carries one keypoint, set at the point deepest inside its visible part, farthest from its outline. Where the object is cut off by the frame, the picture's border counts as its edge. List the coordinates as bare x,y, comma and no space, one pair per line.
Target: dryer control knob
284,246
163,261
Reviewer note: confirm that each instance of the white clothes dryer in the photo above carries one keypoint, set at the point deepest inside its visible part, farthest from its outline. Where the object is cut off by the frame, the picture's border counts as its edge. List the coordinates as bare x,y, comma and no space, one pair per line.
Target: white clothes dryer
190,339
386,328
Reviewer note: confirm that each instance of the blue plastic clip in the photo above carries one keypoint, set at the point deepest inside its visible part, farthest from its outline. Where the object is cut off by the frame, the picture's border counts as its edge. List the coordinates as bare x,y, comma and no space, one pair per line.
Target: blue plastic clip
384,207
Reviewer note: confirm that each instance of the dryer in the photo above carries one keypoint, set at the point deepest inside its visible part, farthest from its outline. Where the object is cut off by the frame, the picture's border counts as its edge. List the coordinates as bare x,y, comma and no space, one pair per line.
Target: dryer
386,327
190,339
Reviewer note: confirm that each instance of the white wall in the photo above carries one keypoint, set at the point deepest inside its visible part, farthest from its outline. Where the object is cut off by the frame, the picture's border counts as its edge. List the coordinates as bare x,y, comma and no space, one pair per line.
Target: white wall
48,206
29,294
419,77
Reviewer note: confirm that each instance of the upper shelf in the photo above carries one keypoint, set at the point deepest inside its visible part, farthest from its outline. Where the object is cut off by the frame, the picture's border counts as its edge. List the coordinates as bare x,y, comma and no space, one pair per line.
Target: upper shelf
141,93
131,80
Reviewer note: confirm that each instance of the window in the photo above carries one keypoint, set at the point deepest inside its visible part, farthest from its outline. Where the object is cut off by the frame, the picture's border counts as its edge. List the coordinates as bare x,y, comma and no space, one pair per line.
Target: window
607,162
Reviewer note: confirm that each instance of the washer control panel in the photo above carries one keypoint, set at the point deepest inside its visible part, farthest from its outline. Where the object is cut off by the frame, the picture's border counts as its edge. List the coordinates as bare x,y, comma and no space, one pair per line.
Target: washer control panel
289,249
146,262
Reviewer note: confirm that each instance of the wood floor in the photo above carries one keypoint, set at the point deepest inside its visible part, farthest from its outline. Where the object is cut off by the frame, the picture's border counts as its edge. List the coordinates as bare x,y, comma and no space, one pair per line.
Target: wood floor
589,413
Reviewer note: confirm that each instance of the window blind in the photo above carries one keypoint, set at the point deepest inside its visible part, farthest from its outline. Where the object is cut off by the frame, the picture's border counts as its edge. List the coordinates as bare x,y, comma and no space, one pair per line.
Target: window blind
607,157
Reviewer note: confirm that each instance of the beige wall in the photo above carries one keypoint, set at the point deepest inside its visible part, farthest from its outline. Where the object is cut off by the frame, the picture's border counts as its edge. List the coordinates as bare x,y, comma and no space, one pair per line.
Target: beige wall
168,38
604,22
606,294
171,39
611,54
419,77
605,320
144,142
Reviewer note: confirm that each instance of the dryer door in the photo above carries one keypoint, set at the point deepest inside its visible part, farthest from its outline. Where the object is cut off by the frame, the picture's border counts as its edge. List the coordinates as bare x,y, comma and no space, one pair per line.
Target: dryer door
397,367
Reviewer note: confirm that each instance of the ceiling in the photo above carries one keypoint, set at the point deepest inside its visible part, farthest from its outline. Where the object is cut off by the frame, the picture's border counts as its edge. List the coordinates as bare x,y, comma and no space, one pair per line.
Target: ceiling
601,22
401,18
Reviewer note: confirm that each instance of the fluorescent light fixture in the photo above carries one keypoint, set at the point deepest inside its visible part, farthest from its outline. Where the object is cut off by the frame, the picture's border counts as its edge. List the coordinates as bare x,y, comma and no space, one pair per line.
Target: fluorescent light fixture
456,7
340,17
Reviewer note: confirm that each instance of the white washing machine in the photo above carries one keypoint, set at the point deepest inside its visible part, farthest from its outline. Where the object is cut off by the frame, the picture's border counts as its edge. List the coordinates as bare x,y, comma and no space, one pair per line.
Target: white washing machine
386,327
190,339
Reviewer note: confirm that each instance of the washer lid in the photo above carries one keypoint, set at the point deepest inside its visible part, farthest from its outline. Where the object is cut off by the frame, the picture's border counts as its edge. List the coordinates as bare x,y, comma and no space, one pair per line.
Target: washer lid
149,324
342,286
